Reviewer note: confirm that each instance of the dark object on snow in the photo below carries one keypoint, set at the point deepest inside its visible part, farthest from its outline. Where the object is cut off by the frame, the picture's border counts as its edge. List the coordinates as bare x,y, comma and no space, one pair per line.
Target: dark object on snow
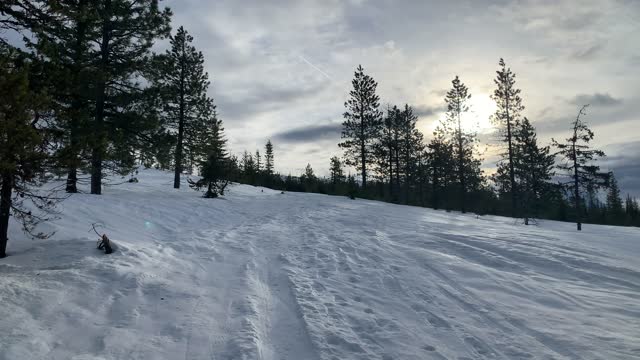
105,244
282,192
133,180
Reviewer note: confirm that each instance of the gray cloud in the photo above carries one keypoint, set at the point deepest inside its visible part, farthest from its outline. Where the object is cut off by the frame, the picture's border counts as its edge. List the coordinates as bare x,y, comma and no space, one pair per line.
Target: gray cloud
427,111
597,99
259,99
310,133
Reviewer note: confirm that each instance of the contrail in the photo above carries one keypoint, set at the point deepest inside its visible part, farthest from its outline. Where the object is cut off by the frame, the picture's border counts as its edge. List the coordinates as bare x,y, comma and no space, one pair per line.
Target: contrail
315,67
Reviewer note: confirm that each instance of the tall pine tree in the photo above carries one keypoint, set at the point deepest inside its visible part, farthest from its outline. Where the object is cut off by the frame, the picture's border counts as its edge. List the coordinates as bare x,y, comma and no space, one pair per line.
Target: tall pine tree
268,159
506,118
463,140
183,82
24,152
579,163
126,31
336,172
60,34
534,169
362,123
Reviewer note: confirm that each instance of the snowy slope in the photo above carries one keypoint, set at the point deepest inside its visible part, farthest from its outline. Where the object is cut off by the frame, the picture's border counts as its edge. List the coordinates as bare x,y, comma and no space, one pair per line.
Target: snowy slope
262,275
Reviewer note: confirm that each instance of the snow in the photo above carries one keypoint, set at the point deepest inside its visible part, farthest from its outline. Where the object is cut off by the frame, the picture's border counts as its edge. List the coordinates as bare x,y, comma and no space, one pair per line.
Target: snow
264,275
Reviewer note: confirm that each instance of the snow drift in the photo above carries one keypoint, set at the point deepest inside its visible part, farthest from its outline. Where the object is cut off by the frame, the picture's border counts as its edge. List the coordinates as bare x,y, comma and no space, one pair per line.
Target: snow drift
264,275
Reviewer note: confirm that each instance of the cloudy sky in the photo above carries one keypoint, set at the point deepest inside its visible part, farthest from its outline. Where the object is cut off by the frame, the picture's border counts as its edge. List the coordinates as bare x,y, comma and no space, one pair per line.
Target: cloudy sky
281,69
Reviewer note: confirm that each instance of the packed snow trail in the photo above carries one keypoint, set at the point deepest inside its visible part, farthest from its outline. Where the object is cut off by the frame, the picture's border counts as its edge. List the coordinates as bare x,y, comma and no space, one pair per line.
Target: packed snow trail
263,275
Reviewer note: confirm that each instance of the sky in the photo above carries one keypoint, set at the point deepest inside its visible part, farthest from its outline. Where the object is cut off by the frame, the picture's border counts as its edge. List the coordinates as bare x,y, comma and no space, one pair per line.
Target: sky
281,69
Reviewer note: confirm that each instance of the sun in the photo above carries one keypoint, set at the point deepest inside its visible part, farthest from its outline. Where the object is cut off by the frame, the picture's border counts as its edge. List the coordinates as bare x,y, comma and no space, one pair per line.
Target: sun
481,107
478,118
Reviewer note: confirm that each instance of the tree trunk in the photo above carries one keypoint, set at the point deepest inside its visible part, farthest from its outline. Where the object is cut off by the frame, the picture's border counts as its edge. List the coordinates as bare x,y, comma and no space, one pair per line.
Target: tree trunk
72,180
463,187
5,208
76,104
98,146
576,181
512,176
178,170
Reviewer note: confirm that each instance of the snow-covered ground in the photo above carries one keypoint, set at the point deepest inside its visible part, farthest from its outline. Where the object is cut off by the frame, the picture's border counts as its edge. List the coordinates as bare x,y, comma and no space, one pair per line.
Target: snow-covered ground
264,275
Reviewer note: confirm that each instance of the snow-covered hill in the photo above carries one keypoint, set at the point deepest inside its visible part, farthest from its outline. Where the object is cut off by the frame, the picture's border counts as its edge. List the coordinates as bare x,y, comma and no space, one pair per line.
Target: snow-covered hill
264,275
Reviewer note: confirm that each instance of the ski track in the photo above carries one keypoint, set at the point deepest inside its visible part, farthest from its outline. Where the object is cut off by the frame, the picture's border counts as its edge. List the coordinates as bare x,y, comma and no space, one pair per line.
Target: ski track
261,275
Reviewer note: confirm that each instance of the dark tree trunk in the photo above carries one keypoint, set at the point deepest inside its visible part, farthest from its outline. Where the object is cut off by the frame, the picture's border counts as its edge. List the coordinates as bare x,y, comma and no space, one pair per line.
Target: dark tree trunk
181,120
5,208
463,185
512,176
72,180
363,150
576,181
76,104
98,146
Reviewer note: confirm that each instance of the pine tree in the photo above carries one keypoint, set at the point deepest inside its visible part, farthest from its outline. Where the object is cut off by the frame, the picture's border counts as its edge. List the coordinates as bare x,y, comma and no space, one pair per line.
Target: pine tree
60,40
126,31
387,150
215,168
615,208
335,170
533,167
362,123
23,150
467,167
248,166
308,178
411,147
258,157
440,158
632,211
183,82
506,118
579,163
268,159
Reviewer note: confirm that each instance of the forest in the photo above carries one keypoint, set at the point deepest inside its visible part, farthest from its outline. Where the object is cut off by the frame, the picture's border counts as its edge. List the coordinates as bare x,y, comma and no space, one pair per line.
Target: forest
85,98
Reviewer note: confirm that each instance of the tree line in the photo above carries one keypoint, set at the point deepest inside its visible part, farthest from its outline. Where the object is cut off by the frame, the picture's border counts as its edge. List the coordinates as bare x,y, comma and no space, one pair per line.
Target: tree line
559,181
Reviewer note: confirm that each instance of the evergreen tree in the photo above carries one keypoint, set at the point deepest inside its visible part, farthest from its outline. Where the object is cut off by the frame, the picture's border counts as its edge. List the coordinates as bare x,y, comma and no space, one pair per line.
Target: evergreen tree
215,169
268,159
534,168
258,163
308,179
362,123
579,163
183,83
335,170
248,166
126,31
467,167
615,208
23,148
632,211
60,34
506,118
387,150
411,147
440,158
